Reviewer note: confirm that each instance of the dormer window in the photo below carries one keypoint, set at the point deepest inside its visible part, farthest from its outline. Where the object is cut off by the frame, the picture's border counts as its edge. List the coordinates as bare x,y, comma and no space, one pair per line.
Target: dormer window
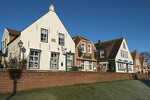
102,54
89,48
44,35
83,47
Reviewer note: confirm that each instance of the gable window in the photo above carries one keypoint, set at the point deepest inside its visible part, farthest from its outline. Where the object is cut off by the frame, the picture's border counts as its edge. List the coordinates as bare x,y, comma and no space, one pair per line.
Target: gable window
82,64
83,47
54,60
89,48
34,59
124,54
124,46
102,55
137,62
90,65
44,35
61,39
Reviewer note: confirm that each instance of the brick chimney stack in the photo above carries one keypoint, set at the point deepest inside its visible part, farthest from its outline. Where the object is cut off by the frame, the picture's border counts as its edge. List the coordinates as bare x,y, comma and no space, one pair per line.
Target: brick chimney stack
99,42
135,51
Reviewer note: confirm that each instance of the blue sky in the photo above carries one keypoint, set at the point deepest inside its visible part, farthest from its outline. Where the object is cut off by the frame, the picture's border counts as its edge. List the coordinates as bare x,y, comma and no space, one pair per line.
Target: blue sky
92,19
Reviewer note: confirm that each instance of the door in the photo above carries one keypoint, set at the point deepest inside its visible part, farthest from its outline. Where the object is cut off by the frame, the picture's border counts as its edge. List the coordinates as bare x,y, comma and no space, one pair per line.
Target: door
69,62
86,65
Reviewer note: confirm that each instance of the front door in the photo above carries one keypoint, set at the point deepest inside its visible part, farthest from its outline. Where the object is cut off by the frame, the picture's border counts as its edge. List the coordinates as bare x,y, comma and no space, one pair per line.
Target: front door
69,62
86,65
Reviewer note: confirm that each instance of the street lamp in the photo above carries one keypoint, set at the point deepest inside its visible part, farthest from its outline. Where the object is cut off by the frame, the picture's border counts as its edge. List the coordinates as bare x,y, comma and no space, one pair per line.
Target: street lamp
20,44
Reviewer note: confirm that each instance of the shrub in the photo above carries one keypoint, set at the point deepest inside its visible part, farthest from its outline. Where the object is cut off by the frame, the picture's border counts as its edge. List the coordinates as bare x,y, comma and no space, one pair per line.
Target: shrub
13,63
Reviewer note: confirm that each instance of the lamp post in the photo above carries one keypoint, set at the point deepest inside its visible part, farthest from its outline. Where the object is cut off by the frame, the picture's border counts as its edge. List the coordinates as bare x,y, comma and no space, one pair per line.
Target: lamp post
20,44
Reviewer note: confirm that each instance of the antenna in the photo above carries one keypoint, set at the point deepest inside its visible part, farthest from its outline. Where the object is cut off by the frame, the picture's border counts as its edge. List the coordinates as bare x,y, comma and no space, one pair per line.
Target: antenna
121,34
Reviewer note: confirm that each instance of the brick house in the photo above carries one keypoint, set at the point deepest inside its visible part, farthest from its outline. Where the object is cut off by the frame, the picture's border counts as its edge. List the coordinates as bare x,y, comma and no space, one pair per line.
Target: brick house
114,55
84,54
144,67
136,61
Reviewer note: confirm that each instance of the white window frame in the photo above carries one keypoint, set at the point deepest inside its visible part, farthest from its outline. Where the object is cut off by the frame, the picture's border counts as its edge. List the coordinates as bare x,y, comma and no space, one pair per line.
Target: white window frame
90,65
54,61
124,45
33,60
102,52
83,48
124,54
137,62
83,65
61,39
89,48
120,66
44,35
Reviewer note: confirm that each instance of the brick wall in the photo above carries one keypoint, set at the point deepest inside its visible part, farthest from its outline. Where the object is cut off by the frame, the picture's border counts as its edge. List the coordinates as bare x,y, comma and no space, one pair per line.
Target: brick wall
33,80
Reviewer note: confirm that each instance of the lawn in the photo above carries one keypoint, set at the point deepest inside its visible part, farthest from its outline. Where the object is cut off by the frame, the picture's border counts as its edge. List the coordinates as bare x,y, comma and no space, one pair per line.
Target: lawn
118,90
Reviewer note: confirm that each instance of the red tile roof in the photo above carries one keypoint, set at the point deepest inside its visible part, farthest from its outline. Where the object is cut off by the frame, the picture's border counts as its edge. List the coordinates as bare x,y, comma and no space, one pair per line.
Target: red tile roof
14,32
133,55
78,38
141,60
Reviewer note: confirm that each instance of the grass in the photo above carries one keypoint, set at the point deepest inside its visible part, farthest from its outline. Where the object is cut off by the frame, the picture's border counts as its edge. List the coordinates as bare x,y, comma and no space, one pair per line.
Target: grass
118,90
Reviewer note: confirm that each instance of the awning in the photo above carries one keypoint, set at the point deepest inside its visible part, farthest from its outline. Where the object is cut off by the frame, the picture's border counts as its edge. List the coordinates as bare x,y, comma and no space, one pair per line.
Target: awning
86,59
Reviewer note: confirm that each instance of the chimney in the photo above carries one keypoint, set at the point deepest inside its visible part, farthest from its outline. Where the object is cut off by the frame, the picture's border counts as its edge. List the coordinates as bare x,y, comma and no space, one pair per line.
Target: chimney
135,51
99,41
51,8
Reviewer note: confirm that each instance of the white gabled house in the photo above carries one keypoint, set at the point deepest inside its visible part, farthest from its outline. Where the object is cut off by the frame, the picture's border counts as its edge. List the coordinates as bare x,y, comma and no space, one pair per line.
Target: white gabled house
46,44
114,55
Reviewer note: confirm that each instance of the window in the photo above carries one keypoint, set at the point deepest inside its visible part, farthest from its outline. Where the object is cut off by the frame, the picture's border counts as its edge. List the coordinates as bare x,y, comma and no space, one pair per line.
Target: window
61,39
129,68
124,54
124,46
82,64
137,62
5,42
44,35
3,45
83,47
120,66
54,60
102,54
34,59
90,65
89,48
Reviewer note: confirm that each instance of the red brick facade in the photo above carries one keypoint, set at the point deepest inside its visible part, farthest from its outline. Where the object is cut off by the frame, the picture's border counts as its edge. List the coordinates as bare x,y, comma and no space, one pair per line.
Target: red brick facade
136,61
32,80
78,41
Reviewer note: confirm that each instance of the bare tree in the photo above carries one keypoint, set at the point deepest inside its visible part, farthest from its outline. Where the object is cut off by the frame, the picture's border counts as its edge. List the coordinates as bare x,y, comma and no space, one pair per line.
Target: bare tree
147,56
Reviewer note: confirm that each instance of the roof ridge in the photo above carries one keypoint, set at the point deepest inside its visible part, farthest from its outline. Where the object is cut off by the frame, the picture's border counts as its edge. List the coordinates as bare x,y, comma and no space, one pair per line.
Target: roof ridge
11,29
113,40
